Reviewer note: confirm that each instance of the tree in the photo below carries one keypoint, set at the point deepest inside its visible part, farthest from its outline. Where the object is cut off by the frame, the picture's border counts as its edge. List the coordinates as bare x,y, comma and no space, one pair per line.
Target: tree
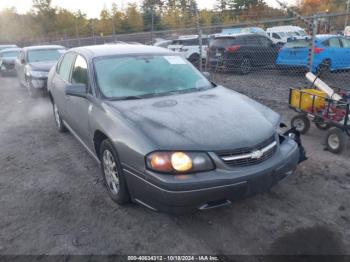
132,21
45,14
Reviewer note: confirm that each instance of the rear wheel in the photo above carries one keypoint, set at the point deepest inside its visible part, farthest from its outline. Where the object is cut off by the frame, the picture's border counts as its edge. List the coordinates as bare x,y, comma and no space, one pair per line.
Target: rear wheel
324,67
336,140
112,174
301,123
322,125
245,67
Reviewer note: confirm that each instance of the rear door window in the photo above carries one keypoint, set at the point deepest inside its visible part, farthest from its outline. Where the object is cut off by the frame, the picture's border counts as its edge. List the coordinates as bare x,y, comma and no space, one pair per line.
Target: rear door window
224,42
302,43
334,42
265,42
345,42
276,36
66,65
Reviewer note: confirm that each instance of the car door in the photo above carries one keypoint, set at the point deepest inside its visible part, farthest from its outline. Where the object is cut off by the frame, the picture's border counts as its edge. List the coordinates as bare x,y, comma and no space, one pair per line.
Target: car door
60,81
268,51
78,108
252,49
346,50
333,52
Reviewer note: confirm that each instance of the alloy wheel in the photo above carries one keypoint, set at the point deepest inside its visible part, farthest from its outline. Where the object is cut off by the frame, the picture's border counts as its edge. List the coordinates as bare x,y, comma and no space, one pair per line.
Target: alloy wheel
110,171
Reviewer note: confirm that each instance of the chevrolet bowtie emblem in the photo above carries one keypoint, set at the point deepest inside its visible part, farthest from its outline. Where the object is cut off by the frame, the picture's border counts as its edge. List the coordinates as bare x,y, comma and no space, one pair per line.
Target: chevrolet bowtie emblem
257,154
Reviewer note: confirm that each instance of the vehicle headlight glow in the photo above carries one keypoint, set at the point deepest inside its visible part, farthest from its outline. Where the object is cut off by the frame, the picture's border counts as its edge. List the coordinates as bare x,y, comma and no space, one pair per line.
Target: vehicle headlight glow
181,162
38,74
178,162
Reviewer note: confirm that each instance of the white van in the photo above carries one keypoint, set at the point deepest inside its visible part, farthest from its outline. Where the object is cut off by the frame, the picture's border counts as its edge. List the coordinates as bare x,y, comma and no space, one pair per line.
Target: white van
347,31
281,34
188,47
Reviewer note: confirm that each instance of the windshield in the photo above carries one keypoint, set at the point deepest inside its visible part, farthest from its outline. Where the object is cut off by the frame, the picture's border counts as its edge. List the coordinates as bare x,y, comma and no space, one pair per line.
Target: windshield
150,75
9,54
44,55
302,33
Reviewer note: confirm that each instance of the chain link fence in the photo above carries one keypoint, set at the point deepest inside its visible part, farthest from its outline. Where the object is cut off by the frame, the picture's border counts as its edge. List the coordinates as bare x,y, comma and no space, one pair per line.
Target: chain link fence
253,57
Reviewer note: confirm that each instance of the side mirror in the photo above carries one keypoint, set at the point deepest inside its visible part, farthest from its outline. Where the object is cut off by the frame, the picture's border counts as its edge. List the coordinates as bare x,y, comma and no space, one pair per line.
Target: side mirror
206,75
78,90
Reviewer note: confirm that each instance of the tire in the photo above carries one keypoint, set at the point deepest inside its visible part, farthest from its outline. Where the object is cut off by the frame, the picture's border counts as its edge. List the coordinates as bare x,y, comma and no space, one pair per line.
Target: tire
301,123
58,120
322,126
113,176
324,67
33,92
335,140
245,67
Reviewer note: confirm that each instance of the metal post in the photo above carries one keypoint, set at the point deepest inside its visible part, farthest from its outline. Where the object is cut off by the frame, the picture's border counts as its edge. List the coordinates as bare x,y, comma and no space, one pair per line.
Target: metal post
199,29
313,39
113,27
77,32
152,24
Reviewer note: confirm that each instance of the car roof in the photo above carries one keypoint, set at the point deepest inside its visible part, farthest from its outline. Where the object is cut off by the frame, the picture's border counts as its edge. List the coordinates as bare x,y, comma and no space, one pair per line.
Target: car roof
283,28
221,35
119,49
40,47
10,50
325,36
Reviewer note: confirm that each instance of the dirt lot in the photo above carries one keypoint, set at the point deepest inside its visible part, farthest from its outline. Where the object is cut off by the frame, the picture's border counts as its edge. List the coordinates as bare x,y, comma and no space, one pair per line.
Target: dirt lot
52,200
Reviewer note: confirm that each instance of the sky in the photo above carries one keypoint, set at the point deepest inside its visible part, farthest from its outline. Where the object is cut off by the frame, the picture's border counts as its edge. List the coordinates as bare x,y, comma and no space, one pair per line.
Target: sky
92,7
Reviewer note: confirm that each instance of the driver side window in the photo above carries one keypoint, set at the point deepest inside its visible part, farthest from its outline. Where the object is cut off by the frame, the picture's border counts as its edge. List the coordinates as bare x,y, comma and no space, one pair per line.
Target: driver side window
65,66
80,72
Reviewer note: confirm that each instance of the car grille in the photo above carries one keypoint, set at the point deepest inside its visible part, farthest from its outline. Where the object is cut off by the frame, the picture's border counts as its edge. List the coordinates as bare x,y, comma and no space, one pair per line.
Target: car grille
250,156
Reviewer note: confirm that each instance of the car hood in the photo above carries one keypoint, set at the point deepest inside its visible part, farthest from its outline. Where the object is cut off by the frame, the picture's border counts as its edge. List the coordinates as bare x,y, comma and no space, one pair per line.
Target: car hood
211,120
44,66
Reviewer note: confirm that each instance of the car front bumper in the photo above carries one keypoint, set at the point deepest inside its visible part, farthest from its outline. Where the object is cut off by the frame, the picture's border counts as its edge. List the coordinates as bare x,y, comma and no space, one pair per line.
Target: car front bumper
186,193
38,83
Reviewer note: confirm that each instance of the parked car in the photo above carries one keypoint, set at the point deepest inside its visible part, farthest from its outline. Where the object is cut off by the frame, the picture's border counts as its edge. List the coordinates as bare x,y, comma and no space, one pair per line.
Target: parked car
7,61
331,53
241,52
33,65
240,30
7,46
282,34
188,47
166,137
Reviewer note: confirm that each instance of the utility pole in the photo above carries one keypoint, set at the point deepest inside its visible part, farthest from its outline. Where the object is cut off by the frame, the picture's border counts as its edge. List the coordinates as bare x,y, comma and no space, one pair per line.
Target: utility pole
113,28
152,23
199,29
77,31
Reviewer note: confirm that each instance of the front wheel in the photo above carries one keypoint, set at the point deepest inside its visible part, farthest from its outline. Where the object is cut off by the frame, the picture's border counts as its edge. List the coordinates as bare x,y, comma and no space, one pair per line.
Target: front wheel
301,123
112,174
58,120
335,140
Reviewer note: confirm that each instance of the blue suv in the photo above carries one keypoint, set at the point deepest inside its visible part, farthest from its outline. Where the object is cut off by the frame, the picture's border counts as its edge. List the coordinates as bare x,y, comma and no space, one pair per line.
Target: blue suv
331,53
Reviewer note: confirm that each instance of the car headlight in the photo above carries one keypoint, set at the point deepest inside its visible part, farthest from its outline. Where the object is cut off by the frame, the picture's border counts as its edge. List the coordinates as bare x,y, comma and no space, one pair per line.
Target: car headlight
178,162
38,74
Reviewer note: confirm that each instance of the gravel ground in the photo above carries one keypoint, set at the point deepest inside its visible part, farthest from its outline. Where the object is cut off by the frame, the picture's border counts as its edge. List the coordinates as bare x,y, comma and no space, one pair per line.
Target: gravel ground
52,200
